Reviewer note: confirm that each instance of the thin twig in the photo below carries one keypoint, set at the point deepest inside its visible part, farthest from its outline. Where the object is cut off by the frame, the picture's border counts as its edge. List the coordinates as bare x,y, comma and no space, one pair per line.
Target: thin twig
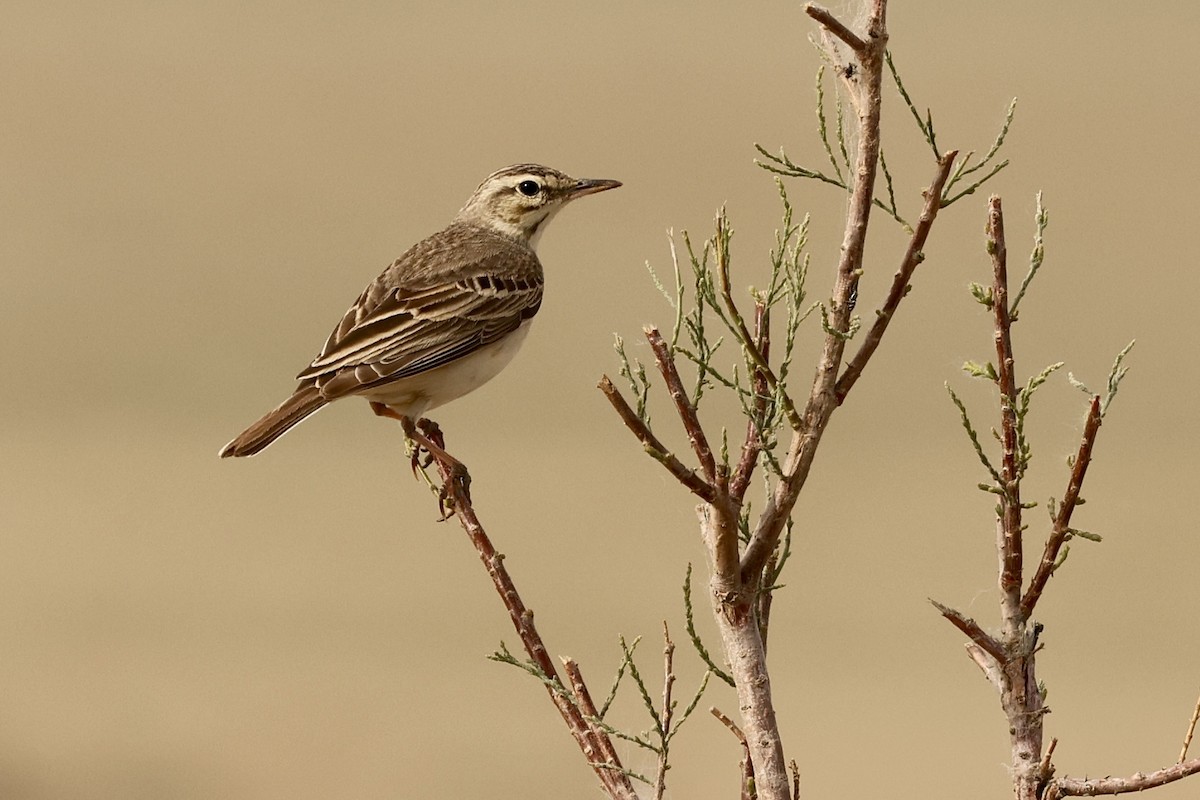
1010,523
1062,520
616,783
668,709
1187,737
835,26
974,632
584,698
752,446
913,256
696,484
665,361
747,765
747,341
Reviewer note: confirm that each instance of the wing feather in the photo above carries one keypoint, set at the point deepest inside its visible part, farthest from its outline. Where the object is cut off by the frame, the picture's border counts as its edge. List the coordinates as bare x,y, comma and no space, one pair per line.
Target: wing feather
413,319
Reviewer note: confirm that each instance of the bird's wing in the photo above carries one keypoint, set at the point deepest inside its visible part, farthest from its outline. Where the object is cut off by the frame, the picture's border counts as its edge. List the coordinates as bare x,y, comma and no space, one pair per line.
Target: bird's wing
394,331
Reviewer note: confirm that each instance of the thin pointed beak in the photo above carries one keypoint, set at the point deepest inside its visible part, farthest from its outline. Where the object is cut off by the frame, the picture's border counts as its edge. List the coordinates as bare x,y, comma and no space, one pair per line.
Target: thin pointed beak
591,186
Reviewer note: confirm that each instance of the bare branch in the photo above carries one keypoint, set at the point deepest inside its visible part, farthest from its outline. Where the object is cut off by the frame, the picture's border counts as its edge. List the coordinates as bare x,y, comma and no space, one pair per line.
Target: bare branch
913,256
589,739
1062,520
683,404
654,446
835,26
1009,529
974,632
746,764
1139,781
987,665
584,699
1187,737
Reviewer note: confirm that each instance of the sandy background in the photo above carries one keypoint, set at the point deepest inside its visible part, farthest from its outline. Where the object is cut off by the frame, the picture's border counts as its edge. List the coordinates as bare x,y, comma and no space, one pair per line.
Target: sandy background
193,193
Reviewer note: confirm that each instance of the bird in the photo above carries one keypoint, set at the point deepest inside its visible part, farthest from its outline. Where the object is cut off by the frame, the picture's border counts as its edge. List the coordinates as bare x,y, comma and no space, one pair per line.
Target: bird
443,319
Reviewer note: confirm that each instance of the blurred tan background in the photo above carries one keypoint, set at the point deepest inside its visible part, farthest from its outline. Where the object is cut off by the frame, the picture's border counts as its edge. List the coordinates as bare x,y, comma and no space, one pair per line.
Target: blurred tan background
193,193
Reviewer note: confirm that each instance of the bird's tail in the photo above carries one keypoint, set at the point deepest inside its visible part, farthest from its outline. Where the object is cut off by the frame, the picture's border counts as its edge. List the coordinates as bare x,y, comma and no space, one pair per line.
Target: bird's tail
305,401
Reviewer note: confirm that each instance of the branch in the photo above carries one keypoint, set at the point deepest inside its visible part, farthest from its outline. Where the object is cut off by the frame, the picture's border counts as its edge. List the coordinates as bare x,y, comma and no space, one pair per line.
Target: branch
823,398
683,405
668,709
654,447
974,632
1075,787
748,342
584,698
1062,521
591,741
752,446
747,765
835,26
1187,737
1009,534
913,256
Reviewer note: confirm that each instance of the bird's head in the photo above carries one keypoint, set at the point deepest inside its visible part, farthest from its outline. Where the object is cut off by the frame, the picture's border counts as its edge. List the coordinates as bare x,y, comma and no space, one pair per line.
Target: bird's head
519,200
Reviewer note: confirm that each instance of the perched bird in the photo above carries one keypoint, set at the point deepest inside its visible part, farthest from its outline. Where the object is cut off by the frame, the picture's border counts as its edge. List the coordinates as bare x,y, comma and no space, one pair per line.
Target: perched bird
445,317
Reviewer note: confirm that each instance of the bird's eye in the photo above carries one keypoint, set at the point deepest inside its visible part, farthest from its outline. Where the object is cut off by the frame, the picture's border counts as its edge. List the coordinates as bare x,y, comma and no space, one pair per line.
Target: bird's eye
528,188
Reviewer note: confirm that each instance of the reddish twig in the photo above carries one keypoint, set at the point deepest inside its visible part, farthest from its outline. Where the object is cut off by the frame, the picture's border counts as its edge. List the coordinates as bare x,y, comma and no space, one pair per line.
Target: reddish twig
1010,501
974,632
589,739
584,699
752,446
697,485
684,407
835,26
748,342
1062,520
913,256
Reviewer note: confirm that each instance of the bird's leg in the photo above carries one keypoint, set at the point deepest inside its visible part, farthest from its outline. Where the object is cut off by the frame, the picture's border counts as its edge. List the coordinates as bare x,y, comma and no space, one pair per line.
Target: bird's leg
382,410
426,434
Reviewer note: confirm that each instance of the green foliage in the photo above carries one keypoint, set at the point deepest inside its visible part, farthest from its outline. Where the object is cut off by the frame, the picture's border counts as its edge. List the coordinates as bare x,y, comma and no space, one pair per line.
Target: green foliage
635,372
964,168
1024,397
697,642
966,178
657,740
1115,376
1040,220
694,339
998,486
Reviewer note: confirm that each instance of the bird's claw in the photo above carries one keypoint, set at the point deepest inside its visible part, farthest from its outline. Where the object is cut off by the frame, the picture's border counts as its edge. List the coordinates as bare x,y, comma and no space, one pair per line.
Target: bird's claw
455,489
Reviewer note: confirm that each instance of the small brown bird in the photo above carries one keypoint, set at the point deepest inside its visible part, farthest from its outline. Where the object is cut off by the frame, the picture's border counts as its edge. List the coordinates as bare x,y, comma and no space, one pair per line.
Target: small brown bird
445,317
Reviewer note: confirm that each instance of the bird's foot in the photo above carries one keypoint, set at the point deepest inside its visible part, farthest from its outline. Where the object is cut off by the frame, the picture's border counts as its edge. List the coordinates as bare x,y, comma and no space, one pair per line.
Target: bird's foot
425,435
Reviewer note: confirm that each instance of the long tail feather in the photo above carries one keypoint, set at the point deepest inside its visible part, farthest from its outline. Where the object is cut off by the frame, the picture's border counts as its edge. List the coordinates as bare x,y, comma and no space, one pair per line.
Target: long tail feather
305,401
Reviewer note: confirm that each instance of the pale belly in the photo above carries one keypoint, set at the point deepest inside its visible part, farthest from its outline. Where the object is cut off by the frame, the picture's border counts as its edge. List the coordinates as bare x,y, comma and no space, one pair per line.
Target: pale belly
415,395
